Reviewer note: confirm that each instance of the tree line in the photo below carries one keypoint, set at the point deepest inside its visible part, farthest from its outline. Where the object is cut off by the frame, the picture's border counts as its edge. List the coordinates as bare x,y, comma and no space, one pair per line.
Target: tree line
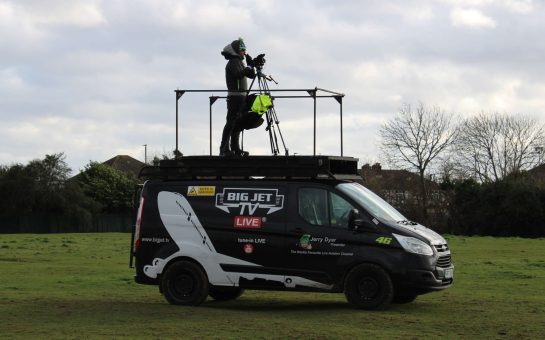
42,197
481,163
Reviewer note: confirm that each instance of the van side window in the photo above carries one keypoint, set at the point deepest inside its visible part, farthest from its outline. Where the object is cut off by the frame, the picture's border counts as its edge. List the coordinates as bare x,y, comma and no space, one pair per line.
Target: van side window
323,208
340,210
313,206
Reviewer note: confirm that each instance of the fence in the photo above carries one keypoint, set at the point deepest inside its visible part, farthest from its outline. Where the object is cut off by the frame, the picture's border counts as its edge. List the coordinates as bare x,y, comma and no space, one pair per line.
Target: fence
60,223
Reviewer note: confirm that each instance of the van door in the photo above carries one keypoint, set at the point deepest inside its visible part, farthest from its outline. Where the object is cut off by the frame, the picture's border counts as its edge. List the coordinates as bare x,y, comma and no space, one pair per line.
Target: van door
320,244
247,223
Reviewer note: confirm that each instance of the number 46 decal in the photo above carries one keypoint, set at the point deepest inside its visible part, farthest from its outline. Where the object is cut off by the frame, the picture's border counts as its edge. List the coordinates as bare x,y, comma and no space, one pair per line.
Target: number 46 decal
384,240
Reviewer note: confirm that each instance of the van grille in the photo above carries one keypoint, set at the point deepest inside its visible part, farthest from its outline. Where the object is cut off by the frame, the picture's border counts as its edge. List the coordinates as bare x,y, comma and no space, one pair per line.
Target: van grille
444,261
441,247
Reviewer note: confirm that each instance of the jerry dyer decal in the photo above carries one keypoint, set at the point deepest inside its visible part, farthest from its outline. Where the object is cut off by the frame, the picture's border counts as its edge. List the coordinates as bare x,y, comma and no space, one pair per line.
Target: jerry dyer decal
304,242
246,201
201,190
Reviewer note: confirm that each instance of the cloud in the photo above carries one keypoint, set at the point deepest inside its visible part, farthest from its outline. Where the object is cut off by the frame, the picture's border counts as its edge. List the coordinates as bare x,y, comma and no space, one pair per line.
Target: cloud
75,13
519,6
96,78
471,17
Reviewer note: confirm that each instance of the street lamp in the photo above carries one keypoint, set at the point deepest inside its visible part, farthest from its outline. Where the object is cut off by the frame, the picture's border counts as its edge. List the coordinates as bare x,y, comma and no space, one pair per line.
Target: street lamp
145,153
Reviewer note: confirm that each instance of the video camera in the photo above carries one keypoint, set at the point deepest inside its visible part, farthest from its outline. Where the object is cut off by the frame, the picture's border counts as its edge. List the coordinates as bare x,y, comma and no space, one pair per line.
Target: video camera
257,62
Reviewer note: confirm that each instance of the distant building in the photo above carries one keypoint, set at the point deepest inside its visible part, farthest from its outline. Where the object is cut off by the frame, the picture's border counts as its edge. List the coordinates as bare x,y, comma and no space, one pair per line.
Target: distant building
401,188
126,164
538,175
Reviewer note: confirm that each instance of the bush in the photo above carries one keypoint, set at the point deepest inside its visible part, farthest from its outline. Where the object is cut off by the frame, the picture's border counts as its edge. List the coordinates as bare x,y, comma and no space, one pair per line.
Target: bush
514,206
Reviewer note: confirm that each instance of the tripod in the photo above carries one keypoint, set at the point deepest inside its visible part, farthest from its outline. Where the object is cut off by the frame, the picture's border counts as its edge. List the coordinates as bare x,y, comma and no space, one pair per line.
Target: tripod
273,124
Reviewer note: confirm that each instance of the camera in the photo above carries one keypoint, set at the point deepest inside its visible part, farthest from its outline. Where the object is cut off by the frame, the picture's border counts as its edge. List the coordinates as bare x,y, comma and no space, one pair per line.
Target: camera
259,61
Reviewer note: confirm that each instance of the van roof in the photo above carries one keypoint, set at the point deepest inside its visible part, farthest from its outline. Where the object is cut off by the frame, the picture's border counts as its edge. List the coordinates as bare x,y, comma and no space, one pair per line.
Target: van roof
310,167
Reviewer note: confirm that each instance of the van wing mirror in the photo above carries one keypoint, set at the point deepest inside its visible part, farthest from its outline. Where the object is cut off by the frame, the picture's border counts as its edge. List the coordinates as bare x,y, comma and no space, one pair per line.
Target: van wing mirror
356,222
354,219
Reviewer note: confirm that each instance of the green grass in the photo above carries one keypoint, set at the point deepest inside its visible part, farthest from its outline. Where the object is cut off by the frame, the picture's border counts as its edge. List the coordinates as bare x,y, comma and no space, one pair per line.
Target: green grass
80,286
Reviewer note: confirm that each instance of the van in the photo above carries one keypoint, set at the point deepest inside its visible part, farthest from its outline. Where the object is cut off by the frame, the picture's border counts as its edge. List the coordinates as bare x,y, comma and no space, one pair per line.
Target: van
214,226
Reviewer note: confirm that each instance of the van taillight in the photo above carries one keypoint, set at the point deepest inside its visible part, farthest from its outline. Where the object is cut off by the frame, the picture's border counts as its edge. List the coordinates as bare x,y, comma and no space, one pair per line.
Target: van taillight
137,240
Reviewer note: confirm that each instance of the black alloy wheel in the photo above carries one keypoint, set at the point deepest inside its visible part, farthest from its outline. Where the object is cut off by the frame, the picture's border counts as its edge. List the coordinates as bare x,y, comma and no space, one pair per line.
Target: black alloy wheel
368,286
184,283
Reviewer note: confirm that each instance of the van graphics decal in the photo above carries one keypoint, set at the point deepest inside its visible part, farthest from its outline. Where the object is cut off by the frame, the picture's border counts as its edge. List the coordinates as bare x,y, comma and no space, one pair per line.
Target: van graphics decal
201,190
248,222
186,230
248,248
383,240
306,241
253,240
155,239
245,201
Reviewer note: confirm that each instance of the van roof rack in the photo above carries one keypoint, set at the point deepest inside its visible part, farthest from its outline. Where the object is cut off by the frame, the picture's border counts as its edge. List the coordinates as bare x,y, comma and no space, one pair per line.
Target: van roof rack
190,167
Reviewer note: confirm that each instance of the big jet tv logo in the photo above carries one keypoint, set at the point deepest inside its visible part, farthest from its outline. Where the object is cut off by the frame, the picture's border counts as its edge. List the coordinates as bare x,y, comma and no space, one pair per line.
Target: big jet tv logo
245,201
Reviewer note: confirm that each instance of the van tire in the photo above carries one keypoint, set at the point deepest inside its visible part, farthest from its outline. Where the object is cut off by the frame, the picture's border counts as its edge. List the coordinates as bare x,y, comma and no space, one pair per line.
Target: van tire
220,293
404,298
368,286
184,283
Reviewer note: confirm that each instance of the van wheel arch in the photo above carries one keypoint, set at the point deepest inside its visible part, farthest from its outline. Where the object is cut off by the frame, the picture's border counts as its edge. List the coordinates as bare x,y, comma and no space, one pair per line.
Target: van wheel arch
182,258
349,269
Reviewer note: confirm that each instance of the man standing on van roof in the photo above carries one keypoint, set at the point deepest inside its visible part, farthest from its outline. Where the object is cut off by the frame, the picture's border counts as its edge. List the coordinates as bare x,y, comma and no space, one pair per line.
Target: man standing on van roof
235,76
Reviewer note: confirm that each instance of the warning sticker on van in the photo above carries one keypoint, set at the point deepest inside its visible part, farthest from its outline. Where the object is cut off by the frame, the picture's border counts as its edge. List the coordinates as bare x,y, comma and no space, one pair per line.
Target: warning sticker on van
246,201
201,190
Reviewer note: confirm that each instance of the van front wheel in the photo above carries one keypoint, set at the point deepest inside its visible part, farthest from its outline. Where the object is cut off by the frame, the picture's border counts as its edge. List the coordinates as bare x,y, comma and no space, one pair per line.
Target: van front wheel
184,283
368,286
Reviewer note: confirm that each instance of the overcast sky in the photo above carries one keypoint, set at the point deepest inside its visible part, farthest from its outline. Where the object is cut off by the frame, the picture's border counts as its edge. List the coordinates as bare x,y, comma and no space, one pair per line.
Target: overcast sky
95,79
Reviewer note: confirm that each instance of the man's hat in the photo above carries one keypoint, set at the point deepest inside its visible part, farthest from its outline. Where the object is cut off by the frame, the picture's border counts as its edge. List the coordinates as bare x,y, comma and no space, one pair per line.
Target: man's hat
238,45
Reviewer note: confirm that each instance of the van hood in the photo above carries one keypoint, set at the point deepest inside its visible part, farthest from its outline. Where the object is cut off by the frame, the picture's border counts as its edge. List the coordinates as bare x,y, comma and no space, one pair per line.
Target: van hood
430,235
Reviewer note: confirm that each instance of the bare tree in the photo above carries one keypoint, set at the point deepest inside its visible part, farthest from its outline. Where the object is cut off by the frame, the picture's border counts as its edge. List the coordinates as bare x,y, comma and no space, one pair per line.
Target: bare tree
415,138
492,146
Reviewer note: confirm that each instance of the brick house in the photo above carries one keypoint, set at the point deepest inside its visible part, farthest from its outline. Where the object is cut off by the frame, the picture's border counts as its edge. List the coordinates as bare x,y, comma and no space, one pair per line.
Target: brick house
401,188
126,164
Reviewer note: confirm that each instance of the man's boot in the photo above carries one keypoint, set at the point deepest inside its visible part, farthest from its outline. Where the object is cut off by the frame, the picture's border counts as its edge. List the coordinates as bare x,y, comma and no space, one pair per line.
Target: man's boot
235,144
224,146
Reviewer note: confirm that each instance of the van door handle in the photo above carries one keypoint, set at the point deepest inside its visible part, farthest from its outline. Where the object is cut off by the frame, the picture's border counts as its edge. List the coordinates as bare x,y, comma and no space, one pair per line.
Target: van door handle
297,230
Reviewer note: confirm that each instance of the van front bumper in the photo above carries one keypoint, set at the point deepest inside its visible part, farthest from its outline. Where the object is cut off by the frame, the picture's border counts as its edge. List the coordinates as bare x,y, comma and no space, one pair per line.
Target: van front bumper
426,280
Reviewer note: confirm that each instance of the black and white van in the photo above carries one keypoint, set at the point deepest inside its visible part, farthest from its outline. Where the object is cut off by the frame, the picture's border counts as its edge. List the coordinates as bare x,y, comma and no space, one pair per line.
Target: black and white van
216,226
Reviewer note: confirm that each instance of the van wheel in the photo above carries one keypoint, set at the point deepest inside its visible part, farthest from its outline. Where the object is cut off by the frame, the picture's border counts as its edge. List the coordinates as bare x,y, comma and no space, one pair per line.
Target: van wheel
368,286
404,298
184,283
225,293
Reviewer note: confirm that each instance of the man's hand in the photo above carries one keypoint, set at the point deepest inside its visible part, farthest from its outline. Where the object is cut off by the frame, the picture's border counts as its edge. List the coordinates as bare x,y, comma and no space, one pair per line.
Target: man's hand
249,61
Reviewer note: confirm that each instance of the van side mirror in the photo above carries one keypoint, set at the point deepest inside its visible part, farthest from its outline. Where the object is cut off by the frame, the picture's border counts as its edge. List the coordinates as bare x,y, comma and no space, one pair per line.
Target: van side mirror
354,219
356,222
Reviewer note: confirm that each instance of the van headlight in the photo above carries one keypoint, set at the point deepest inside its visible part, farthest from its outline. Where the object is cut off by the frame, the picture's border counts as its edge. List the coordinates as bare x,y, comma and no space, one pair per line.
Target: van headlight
414,245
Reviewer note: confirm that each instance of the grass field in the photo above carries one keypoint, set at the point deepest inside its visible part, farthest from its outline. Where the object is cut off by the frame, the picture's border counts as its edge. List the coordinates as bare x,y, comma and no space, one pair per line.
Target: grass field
80,286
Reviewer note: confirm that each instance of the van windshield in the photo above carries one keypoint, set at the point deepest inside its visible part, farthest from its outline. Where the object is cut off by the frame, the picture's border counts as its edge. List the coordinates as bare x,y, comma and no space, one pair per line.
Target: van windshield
375,205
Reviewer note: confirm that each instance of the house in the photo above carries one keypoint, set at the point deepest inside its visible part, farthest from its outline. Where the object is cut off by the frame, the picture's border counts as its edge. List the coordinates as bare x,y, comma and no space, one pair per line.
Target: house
402,189
396,186
538,175
126,164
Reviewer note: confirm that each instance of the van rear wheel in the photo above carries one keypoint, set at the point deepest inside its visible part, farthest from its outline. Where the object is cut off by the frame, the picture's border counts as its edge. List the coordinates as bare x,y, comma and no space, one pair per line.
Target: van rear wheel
368,286
184,283
219,293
